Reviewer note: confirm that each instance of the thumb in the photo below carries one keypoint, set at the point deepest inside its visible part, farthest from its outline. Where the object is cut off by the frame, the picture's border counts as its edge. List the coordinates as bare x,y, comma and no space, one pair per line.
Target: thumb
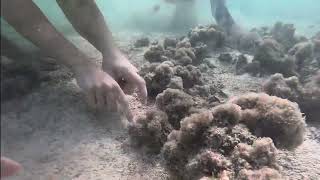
9,167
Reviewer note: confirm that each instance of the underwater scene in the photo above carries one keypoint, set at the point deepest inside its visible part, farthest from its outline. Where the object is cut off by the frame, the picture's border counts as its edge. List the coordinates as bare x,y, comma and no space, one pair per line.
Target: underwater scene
160,90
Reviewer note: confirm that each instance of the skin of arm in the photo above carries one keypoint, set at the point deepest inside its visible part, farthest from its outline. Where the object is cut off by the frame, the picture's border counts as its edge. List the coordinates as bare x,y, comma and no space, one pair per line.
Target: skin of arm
88,21
99,87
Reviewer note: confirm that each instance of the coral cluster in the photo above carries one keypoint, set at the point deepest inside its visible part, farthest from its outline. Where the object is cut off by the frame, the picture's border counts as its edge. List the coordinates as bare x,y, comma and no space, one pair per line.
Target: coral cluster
142,42
155,54
281,51
150,130
307,95
176,104
311,98
284,34
172,62
210,35
160,76
287,88
270,116
222,142
305,59
190,75
272,58
237,139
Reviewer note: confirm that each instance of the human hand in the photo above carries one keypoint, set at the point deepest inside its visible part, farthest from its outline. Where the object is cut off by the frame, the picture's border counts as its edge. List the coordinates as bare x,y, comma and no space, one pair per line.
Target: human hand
101,90
9,167
119,67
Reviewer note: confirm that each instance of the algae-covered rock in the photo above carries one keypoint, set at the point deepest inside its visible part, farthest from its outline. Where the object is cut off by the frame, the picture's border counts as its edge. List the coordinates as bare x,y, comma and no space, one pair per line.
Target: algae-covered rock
271,116
211,35
176,104
150,130
158,78
155,54
286,88
142,42
272,58
284,34
190,75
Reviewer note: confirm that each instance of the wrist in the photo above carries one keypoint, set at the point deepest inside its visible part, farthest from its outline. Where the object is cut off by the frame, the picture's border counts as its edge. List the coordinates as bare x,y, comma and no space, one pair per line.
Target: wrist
83,65
111,54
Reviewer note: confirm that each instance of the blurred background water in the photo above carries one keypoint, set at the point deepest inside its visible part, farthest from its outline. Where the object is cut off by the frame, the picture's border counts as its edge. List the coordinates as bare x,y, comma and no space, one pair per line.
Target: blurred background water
154,15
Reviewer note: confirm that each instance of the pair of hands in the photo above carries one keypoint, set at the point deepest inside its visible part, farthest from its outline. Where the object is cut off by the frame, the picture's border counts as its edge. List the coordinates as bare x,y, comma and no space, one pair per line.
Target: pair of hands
105,88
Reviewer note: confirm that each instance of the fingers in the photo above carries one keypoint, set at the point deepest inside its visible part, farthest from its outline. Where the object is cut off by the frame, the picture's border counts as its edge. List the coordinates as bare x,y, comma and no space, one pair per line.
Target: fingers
109,97
100,97
91,98
141,86
110,100
9,167
122,102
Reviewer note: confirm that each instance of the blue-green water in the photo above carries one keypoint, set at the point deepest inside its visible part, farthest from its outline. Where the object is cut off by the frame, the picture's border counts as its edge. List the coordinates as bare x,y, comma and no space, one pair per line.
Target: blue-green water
139,15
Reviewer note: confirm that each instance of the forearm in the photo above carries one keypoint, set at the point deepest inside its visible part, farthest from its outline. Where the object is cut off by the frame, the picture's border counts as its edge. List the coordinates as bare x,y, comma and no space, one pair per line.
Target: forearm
30,22
87,19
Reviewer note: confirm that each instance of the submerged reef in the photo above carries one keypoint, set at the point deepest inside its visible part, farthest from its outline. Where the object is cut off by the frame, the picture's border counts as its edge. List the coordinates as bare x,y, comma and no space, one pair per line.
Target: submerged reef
155,54
306,95
150,130
142,42
272,58
311,98
160,76
190,75
271,116
287,88
17,78
176,104
212,35
263,174
222,142
305,59
284,34
236,138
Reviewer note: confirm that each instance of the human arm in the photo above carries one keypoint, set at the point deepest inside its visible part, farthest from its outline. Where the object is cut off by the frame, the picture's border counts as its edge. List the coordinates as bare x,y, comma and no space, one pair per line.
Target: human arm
87,19
100,88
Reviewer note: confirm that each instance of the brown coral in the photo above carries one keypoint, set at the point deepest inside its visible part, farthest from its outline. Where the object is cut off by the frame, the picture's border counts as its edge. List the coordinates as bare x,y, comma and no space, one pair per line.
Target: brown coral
272,58
184,56
311,98
287,88
193,127
227,115
142,42
176,104
270,116
155,54
261,174
158,79
262,153
210,35
307,96
224,140
151,130
284,34
190,75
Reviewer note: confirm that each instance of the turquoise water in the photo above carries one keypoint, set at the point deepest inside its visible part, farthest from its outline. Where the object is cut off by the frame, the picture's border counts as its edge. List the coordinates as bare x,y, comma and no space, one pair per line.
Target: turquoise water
139,15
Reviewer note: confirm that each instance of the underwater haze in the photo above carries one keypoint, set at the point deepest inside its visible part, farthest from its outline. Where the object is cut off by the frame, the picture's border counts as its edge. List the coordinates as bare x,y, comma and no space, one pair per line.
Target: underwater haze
140,14
156,15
